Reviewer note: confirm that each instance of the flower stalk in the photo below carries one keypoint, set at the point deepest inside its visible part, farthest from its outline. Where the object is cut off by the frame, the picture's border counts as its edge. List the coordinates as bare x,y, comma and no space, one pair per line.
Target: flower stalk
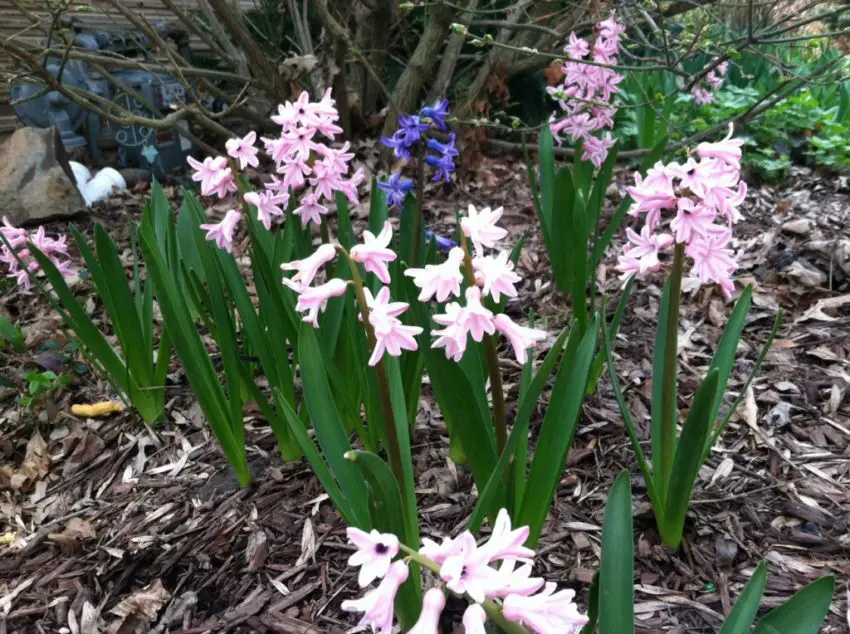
671,346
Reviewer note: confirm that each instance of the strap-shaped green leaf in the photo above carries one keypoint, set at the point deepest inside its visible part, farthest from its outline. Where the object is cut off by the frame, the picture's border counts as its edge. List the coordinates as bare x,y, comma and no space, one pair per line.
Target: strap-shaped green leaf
617,568
741,618
801,614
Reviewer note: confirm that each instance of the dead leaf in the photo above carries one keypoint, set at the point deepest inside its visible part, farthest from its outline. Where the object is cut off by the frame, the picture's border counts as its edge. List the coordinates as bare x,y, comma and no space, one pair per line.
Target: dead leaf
308,544
143,605
35,466
816,312
77,530
83,446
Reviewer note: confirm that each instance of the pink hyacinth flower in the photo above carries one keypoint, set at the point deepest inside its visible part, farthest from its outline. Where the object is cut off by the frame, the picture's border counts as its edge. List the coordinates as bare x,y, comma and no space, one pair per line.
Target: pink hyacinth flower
391,335
222,232
243,150
307,268
475,317
15,236
378,605
375,552
692,219
521,338
326,178
310,210
713,260
546,612
596,149
577,48
374,254
474,618
441,280
438,553
300,113
505,543
209,173
644,248
349,187
516,581
701,95
268,205
429,618
294,172
468,572
314,300
453,337
496,275
727,151
480,227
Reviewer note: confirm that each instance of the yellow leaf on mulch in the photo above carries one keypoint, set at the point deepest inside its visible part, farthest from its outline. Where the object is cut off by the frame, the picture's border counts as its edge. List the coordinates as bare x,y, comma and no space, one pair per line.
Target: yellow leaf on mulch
97,409
35,466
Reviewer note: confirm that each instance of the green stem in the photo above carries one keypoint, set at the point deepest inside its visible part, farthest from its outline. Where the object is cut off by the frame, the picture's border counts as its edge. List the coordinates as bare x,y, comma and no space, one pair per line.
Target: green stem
492,358
671,347
493,610
417,216
390,433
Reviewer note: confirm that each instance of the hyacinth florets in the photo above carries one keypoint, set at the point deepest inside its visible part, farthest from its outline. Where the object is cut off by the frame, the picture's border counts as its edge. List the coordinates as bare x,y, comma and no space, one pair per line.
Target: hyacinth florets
305,167
17,251
704,194
586,94
491,275
498,572
703,91
412,136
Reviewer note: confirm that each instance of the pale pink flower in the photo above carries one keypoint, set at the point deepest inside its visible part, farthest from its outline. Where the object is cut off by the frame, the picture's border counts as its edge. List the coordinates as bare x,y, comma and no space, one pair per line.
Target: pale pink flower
378,605
692,219
310,209
480,227
299,143
475,317
701,95
222,232
505,542
374,252
224,184
314,300
439,552
521,338
307,269
713,260
338,157
496,275
577,48
213,174
326,179
441,280
578,126
349,187
468,572
15,236
297,114
474,618
429,618
644,248
294,172
611,28
546,612
453,337
629,266
727,151
596,149
243,150
518,582
391,335
375,552
268,205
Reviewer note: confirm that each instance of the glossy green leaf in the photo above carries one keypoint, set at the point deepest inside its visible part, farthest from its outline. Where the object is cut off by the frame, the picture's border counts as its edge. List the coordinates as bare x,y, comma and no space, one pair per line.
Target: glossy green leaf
659,383
592,606
724,356
743,614
801,614
617,568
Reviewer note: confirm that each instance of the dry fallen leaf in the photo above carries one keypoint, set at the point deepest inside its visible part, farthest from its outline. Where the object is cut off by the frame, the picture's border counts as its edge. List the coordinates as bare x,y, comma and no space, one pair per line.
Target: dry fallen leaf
143,605
308,544
35,466
77,530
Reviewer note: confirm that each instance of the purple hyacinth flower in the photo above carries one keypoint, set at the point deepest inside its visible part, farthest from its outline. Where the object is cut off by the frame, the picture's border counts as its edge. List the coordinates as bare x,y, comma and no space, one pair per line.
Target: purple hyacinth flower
411,128
443,243
443,166
447,150
398,144
437,113
396,189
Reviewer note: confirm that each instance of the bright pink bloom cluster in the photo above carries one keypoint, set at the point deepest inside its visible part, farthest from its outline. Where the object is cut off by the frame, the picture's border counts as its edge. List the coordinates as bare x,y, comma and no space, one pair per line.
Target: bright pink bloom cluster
305,167
494,276
391,335
702,92
704,194
587,92
477,572
17,249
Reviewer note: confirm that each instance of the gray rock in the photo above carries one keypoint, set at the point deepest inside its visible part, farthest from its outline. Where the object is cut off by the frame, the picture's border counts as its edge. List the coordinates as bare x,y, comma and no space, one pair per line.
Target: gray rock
36,180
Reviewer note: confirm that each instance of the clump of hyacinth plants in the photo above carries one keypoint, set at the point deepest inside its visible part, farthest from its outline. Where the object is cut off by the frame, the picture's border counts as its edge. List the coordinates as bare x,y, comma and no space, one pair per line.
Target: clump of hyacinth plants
691,209
495,577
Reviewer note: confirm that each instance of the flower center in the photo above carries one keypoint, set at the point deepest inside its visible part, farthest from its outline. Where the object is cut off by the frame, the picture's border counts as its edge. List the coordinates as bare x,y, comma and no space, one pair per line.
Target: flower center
381,549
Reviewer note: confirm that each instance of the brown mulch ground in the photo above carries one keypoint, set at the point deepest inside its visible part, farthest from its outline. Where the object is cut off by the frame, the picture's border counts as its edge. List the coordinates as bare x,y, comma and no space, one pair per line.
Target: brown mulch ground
111,526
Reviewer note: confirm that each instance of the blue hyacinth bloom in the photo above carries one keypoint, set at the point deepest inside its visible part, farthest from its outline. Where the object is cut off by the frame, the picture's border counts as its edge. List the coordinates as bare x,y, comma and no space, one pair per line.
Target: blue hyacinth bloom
437,113
443,166
443,243
411,128
398,144
446,150
396,188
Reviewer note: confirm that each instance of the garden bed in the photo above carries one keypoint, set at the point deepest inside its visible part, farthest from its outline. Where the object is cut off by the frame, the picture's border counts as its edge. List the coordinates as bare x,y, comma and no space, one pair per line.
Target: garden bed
116,526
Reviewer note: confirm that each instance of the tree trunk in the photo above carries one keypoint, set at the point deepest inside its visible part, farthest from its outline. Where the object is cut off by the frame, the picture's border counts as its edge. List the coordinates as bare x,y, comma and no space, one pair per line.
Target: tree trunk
373,22
423,60
450,56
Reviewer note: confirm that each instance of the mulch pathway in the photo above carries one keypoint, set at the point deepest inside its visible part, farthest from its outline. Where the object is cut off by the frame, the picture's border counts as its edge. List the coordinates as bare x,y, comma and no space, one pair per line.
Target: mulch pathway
110,526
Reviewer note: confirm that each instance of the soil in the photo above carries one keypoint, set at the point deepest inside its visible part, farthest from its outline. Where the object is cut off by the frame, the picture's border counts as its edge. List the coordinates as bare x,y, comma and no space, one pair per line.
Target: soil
113,526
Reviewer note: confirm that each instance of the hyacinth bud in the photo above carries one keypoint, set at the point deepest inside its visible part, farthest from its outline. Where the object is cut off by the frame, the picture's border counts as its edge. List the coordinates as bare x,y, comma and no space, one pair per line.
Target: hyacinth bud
460,29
